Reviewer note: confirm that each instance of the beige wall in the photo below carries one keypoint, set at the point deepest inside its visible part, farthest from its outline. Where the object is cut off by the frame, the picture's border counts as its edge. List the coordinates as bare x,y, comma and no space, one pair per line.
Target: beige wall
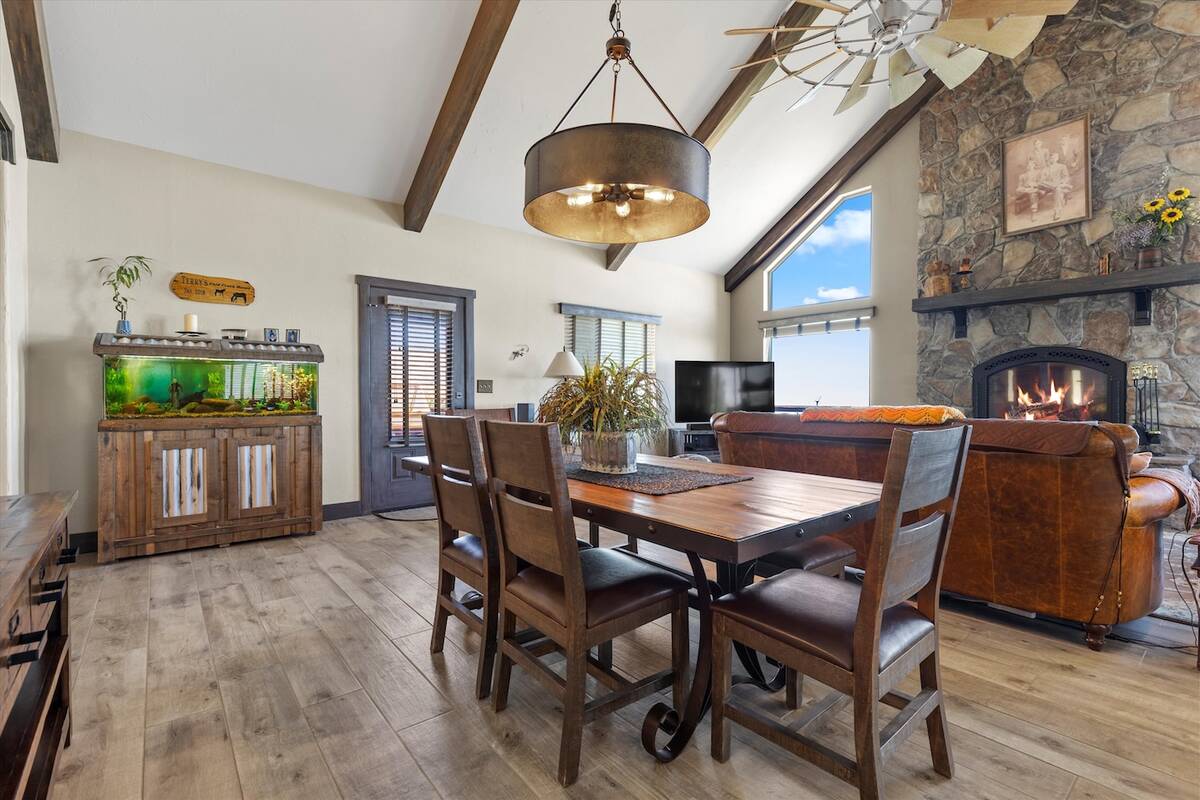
891,174
14,292
301,248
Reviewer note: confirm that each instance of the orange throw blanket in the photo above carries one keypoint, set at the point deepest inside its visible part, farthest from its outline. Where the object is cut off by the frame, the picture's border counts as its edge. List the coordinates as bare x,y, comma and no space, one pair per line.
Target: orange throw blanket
893,415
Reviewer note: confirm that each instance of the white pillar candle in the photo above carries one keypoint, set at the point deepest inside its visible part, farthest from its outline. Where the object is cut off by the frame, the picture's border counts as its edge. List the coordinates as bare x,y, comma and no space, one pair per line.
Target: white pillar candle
191,322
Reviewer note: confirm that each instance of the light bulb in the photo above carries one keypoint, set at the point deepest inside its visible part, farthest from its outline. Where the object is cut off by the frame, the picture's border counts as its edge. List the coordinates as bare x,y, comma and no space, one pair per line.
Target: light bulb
592,187
579,200
622,208
659,195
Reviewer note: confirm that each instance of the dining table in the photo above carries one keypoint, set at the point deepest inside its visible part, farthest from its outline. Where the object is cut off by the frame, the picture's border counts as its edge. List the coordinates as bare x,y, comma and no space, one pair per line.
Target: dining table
731,525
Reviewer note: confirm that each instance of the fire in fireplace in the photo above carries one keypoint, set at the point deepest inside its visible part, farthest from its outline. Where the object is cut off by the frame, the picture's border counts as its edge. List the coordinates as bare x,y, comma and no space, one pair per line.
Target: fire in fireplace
1048,383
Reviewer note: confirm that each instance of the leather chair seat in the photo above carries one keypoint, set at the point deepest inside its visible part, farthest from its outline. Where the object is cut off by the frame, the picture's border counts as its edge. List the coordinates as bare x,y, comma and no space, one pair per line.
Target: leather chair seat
816,613
616,584
466,550
812,554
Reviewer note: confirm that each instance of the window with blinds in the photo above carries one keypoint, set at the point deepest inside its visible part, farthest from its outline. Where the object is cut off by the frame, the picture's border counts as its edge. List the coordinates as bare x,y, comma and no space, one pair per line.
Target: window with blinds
593,339
420,364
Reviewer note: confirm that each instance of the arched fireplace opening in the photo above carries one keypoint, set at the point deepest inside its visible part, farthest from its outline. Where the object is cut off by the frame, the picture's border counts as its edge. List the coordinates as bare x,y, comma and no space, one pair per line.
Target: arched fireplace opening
1056,383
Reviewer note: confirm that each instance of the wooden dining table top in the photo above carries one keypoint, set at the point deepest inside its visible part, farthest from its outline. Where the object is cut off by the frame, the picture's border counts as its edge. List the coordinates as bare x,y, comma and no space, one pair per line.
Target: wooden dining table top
732,522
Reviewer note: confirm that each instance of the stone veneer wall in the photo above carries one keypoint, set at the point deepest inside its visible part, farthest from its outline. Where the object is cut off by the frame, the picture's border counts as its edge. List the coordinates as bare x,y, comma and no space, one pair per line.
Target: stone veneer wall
1135,68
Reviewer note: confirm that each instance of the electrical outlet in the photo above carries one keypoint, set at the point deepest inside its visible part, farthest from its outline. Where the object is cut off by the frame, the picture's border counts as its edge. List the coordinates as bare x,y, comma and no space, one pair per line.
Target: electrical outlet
483,387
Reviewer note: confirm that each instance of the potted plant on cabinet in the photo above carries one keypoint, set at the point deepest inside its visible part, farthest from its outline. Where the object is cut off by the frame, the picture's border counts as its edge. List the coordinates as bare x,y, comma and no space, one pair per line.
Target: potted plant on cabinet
120,277
1157,222
606,411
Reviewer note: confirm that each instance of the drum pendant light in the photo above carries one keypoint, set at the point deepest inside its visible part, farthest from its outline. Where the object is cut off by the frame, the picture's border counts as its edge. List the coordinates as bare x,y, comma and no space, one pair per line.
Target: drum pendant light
616,182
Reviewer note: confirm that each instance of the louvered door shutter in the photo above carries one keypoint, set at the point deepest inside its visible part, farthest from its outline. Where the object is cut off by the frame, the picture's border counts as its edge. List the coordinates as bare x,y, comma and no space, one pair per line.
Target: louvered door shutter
421,364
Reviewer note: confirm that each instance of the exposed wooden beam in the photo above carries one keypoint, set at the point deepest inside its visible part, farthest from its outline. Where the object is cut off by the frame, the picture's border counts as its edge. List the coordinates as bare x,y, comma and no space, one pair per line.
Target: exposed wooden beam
35,85
813,201
474,65
737,96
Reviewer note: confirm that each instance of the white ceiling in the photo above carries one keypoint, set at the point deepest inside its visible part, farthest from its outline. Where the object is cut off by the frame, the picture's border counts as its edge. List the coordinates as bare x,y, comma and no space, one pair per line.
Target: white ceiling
342,94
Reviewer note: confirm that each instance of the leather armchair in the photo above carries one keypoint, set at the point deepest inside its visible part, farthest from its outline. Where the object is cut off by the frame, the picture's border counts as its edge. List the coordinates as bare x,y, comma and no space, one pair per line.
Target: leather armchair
1039,518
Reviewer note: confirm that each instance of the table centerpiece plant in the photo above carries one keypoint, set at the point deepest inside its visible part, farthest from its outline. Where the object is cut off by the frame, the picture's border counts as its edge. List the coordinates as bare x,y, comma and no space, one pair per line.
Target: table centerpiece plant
1156,222
606,412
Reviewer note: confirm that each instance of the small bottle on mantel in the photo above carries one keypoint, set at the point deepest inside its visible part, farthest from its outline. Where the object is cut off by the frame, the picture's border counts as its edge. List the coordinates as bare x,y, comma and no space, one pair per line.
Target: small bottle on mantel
1104,265
964,276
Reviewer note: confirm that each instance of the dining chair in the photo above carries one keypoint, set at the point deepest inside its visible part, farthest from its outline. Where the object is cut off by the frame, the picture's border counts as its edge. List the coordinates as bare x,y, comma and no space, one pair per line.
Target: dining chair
467,549
576,598
862,641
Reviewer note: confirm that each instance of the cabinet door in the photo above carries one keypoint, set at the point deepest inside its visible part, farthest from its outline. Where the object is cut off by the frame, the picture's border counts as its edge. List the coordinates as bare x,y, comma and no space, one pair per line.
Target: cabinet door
184,482
258,471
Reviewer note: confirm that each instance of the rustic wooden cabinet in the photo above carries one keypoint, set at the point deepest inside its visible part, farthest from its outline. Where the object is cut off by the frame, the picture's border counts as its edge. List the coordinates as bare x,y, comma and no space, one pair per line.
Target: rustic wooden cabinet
35,653
174,483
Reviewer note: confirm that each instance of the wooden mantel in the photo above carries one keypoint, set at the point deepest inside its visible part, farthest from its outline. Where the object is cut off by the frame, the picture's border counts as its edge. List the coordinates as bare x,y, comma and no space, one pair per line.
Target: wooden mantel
1139,282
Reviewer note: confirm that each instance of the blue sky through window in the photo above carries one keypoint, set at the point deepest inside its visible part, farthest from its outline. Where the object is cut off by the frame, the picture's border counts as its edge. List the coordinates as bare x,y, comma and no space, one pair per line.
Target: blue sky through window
833,263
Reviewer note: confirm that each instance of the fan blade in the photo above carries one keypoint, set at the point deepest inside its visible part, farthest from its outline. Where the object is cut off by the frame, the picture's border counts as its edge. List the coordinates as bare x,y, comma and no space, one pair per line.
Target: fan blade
994,9
904,78
951,63
1008,37
825,5
805,68
812,90
750,31
858,89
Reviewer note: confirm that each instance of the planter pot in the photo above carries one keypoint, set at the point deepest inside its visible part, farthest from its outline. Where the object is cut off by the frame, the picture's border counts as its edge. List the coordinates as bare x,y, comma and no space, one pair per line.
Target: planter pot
611,453
124,327
1149,258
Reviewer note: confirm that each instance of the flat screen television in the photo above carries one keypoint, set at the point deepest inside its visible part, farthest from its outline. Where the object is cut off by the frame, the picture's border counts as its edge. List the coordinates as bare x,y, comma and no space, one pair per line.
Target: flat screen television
704,388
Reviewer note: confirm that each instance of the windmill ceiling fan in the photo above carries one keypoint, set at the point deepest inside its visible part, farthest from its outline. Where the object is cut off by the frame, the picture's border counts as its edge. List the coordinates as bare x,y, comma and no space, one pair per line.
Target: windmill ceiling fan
950,37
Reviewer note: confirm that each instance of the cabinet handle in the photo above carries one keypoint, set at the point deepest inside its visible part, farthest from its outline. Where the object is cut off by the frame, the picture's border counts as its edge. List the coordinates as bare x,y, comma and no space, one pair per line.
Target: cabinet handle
68,555
29,656
42,574
14,622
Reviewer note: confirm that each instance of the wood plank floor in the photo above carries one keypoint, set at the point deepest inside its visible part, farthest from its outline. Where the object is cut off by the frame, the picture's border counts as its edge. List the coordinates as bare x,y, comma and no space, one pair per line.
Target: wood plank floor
301,668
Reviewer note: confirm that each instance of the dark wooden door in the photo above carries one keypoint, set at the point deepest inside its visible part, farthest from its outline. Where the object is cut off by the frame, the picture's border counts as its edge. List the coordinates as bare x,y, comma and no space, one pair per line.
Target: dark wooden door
416,355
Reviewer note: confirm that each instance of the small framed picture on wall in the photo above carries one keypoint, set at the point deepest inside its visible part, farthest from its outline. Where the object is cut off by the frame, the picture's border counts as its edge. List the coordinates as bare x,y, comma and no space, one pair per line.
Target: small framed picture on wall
1047,177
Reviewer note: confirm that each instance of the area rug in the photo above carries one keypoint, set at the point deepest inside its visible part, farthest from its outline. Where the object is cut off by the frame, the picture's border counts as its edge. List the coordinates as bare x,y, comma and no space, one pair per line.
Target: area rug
655,480
1179,605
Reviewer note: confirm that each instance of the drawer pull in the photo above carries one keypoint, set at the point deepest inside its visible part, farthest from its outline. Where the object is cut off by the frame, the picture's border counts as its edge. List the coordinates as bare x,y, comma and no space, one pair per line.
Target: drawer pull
68,555
29,656
14,622
42,574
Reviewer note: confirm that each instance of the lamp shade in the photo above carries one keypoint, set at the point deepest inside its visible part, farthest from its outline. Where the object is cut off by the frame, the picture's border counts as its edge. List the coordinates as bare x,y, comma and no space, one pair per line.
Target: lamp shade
564,365
627,164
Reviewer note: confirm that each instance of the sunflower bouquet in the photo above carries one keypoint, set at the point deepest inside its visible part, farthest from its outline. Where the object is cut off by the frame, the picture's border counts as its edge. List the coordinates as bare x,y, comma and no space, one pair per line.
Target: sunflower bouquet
1158,220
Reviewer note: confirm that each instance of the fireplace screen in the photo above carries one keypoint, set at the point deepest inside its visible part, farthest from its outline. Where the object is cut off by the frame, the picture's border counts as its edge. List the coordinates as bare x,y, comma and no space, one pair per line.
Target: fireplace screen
1051,384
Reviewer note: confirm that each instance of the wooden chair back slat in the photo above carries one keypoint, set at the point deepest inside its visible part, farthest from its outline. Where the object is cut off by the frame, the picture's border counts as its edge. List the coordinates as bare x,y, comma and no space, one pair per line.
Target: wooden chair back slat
529,490
935,462
530,532
504,414
459,480
920,488
913,559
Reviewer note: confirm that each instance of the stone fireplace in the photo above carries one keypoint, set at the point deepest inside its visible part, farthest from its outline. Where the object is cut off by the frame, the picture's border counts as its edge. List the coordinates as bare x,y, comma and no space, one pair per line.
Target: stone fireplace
1055,383
1134,69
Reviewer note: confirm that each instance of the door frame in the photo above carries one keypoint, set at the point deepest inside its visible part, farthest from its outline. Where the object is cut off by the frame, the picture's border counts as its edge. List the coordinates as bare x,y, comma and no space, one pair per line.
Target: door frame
366,285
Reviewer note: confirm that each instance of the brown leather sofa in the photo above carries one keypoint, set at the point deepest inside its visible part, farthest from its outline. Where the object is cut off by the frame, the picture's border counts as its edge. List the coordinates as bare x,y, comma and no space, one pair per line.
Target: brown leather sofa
1039,516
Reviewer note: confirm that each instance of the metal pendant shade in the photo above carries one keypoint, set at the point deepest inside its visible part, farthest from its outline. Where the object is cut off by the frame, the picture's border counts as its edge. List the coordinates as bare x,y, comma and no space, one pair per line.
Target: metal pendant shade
617,182
621,154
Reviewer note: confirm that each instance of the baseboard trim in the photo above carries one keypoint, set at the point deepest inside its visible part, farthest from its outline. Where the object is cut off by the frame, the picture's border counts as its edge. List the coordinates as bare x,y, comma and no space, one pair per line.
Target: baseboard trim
86,540
335,511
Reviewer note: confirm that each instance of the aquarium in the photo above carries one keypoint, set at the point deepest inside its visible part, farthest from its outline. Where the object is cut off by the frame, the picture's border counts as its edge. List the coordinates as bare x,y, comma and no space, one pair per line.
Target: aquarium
171,386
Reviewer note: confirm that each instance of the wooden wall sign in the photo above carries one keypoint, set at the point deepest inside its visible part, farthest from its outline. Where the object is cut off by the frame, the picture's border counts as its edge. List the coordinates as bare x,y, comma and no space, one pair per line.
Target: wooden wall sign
205,289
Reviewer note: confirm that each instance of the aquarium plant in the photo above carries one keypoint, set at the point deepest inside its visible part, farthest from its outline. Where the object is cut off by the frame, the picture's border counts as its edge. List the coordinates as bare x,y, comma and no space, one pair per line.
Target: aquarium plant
120,277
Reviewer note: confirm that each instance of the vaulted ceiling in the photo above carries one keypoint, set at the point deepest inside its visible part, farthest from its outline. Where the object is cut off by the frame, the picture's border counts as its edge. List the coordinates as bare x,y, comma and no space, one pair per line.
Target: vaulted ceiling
343,94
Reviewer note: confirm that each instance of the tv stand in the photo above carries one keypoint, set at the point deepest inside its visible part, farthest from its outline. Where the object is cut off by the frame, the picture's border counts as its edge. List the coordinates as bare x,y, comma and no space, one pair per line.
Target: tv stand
694,438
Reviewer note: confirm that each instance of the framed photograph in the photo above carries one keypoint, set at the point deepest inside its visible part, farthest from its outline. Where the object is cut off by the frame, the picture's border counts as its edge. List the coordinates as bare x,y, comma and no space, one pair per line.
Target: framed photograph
1047,177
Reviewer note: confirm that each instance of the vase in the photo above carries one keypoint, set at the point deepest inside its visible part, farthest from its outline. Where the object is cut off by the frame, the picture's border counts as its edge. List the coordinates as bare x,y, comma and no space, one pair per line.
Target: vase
124,328
1149,258
613,453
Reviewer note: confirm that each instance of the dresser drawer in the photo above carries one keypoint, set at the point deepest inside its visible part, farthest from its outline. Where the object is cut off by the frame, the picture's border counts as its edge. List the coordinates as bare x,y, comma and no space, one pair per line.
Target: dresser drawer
45,588
15,623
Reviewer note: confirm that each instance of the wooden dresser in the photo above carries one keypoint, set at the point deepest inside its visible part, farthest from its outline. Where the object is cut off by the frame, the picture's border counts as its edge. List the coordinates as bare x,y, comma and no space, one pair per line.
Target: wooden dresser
35,678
